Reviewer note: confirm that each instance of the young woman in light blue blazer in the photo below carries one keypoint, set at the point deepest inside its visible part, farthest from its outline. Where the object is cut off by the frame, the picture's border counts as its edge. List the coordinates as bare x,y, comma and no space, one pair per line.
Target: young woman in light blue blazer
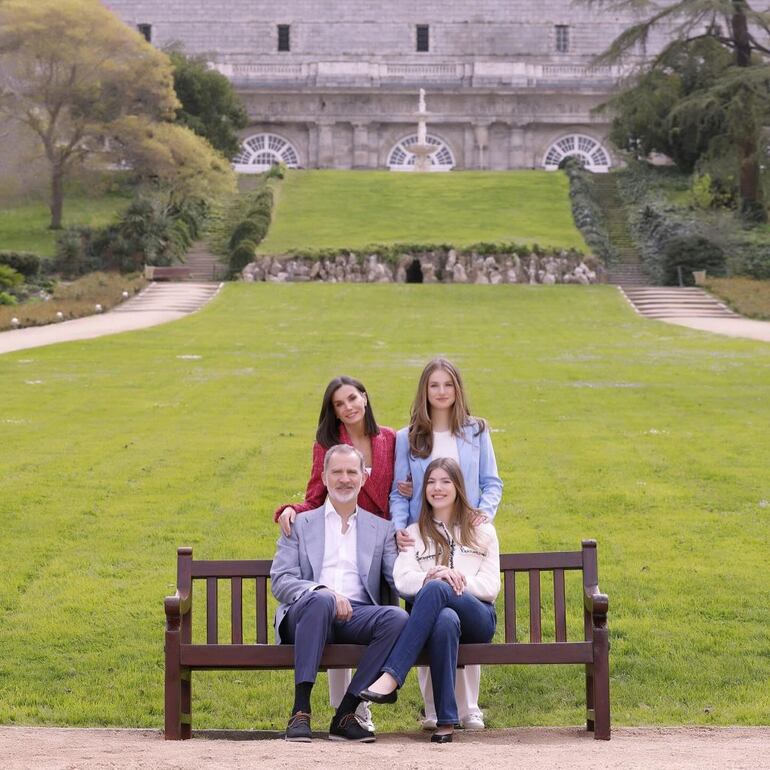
441,425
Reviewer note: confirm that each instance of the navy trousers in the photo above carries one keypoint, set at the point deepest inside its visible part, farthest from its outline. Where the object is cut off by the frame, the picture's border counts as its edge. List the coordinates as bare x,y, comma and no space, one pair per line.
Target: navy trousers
310,623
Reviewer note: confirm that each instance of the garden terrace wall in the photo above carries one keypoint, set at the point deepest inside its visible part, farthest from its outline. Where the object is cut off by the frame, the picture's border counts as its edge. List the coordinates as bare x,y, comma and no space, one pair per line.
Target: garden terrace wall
438,266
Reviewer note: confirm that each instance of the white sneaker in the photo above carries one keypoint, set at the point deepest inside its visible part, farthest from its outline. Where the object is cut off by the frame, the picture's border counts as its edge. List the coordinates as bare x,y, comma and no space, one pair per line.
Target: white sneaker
473,722
428,723
364,716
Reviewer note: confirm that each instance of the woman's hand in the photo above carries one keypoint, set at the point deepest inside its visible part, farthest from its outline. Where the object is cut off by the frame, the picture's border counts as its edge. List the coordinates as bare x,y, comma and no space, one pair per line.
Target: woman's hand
405,488
451,576
479,519
286,519
403,540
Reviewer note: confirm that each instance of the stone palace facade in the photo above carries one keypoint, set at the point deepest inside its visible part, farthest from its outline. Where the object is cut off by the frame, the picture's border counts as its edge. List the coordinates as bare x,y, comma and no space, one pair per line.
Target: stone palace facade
509,83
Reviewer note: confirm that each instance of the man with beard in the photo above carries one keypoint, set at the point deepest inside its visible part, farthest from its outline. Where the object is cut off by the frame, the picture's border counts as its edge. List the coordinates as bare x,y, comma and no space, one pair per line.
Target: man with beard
326,575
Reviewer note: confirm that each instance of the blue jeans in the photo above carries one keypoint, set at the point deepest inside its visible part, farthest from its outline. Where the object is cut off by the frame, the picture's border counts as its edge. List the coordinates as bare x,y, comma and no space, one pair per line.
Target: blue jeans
439,621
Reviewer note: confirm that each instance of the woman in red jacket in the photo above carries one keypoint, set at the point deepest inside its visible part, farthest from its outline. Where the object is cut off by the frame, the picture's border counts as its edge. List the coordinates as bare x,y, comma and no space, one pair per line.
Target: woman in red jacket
347,418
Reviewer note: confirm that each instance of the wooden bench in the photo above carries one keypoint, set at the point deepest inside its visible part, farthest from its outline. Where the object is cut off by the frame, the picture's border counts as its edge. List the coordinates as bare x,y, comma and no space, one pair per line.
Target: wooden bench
183,656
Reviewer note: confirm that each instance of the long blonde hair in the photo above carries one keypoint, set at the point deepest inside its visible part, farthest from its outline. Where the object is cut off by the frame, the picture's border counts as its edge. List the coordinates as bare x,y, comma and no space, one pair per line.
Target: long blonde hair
462,514
420,424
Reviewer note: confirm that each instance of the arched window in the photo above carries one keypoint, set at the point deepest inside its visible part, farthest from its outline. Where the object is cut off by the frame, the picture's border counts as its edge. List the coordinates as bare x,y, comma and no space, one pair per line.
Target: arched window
593,155
261,151
401,159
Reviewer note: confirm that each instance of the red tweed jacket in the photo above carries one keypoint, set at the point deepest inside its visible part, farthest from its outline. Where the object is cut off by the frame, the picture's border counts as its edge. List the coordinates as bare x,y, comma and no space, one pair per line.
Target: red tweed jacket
374,494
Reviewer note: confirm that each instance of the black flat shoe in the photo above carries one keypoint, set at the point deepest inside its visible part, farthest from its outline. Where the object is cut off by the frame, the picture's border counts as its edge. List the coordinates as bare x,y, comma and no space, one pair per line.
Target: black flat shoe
442,738
378,697
298,728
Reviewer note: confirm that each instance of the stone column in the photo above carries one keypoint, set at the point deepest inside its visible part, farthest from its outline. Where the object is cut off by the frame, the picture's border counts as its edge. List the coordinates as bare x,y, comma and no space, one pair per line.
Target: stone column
360,145
469,161
325,143
516,157
481,135
312,146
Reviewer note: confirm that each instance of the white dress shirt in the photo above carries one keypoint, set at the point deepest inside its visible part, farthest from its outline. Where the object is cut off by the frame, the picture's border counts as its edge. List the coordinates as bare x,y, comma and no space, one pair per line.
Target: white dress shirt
340,565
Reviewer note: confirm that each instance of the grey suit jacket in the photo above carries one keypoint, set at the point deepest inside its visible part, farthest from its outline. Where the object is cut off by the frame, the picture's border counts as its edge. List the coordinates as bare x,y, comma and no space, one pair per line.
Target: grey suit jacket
299,558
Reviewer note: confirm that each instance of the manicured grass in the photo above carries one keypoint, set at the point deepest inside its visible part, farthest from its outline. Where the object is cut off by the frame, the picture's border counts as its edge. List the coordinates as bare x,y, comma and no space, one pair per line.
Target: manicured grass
320,209
25,227
744,295
648,437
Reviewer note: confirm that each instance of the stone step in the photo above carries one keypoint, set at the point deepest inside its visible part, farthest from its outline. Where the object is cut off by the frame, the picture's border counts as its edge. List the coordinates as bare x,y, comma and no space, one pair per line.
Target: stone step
182,297
676,302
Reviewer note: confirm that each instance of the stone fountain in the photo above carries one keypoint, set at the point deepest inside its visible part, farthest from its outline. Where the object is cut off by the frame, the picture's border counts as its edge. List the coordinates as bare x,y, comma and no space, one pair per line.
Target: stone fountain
422,150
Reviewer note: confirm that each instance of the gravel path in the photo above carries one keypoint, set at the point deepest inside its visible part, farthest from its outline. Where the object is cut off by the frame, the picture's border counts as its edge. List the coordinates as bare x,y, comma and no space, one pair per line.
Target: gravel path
157,304
683,748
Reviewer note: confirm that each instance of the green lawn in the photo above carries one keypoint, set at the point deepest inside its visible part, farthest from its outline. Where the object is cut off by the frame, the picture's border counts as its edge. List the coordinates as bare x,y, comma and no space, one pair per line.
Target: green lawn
648,437
25,227
320,209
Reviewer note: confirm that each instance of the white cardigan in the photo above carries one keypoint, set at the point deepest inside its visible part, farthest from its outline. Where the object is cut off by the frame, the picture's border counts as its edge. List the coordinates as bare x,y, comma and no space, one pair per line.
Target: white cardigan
481,566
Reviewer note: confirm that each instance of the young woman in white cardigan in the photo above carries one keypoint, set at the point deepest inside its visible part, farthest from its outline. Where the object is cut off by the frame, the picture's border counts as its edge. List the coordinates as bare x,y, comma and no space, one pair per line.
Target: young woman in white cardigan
441,425
452,573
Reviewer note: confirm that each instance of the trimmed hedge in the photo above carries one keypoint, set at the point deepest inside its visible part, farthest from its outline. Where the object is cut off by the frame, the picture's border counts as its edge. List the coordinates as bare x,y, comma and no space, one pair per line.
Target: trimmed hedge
25,262
251,230
587,213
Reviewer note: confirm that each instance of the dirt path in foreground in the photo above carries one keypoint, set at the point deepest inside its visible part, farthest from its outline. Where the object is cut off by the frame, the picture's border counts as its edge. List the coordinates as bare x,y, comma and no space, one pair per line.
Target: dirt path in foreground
41,748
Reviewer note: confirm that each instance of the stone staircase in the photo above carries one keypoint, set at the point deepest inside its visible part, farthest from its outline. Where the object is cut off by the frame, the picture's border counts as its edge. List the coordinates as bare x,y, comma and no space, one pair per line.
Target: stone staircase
675,302
627,271
181,297
203,265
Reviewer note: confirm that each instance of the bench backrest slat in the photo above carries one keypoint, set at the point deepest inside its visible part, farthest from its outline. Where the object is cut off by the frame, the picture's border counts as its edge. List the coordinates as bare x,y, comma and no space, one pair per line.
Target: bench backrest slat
559,605
535,631
251,568
211,611
261,610
522,562
236,609
509,599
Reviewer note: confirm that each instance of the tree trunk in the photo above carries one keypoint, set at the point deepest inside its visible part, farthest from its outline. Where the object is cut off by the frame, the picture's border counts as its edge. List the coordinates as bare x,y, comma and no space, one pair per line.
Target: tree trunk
57,197
752,200
741,34
750,180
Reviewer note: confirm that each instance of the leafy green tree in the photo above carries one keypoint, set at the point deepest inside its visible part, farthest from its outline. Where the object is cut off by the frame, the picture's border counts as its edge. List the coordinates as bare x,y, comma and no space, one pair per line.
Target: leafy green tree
70,71
209,104
725,111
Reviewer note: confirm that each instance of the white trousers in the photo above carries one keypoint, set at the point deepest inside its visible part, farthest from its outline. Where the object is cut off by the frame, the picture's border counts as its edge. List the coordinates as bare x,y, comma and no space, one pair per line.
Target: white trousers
339,681
467,683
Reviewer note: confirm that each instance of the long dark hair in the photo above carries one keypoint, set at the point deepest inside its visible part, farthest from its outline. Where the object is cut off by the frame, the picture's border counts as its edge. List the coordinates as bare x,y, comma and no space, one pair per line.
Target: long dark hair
462,515
420,425
328,433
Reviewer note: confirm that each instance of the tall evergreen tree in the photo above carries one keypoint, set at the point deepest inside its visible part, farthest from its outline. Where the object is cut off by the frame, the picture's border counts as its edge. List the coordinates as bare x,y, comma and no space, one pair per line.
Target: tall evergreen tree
209,104
738,97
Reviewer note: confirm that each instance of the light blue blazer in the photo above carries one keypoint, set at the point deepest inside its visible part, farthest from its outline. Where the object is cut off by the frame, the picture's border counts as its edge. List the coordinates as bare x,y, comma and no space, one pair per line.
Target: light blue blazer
477,462
299,558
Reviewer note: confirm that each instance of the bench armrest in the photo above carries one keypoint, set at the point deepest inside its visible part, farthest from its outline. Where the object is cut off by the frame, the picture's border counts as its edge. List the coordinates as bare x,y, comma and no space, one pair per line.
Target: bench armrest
176,606
596,604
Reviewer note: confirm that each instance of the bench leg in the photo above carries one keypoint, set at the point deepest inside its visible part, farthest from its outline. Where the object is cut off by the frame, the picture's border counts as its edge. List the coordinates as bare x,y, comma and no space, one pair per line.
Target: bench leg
589,697
186,704
601,684
173,688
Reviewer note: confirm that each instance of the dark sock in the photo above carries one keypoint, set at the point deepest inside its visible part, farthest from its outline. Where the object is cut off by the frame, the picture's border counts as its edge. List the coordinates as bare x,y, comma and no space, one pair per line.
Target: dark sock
302,697
348,704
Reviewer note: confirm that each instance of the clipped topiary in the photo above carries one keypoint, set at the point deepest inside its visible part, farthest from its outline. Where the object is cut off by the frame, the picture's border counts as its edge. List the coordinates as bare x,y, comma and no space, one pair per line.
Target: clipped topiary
246,230
242,254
